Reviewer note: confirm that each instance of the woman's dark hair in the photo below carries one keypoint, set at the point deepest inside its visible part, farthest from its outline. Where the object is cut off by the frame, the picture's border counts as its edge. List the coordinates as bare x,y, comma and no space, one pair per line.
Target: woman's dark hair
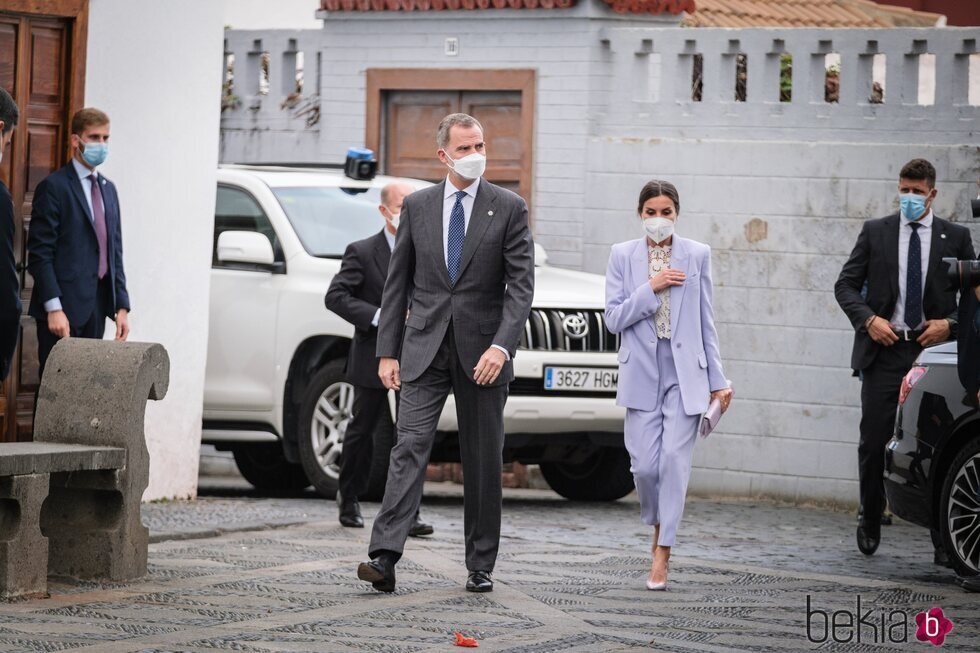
656,188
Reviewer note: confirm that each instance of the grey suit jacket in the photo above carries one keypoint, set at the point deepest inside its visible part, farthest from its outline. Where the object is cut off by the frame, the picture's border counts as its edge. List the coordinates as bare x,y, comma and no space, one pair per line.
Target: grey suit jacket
491,299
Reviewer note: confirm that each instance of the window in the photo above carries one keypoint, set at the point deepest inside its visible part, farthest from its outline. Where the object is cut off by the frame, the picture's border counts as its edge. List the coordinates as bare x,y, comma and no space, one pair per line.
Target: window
237,210
328,219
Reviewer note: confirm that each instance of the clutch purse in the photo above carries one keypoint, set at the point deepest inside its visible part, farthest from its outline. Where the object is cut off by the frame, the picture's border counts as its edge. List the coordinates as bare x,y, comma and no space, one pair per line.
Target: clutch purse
711,417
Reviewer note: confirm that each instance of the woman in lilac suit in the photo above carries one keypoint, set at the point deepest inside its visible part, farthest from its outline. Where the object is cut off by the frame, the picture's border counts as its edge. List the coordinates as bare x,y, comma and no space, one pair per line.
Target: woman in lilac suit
658,296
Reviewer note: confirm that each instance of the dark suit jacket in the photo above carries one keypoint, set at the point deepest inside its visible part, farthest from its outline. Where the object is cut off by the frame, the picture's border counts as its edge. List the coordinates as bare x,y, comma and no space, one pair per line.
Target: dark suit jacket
355,295
874,261
63,254
491,299
10,307
968,347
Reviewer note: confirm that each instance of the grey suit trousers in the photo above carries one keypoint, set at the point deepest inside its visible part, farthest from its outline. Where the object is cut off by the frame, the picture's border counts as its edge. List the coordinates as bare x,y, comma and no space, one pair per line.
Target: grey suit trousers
479,411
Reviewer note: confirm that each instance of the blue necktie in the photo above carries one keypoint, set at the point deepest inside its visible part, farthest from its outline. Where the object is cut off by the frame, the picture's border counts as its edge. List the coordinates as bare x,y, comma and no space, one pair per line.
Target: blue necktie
913,280
457,231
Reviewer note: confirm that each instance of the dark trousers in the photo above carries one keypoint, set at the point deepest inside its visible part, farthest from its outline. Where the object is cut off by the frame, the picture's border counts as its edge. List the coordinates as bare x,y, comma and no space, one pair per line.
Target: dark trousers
355,463
879,401
480,415
94,327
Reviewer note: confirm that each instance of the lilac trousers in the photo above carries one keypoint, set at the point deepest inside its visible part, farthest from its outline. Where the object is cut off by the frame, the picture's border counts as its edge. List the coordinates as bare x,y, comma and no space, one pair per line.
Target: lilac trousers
661,445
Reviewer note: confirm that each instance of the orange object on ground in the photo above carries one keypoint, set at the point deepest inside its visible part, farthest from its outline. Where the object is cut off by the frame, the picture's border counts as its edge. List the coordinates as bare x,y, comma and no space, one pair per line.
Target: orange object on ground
463,640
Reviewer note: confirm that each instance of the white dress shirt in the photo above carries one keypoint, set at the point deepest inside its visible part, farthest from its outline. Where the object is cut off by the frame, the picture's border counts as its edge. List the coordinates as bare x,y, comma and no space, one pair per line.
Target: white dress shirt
83,173
448,202
925,241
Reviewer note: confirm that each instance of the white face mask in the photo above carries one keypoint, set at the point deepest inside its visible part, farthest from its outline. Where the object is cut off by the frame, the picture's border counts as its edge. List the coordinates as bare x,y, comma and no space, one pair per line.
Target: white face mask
395,217
471,166
658,229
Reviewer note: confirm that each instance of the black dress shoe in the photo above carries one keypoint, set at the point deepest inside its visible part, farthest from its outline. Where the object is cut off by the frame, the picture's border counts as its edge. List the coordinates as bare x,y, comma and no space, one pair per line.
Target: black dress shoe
479,581
420,528
868,537
350,512
380,575
940,558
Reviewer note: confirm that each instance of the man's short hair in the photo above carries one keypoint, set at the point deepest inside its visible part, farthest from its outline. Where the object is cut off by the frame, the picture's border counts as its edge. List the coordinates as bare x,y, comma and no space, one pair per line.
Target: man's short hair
917,170
9,113
389,188
88,117
386,192
453,120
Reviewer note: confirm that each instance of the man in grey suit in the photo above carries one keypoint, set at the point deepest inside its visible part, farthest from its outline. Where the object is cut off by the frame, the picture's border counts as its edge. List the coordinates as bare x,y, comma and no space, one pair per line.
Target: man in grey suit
465,250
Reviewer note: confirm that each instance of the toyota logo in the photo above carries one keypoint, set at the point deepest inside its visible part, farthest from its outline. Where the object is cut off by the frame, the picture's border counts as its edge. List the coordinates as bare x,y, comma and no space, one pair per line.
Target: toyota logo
575,326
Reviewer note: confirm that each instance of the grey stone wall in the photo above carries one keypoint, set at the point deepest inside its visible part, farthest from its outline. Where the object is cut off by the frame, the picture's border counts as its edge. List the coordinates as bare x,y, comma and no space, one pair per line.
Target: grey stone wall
264,119
778,189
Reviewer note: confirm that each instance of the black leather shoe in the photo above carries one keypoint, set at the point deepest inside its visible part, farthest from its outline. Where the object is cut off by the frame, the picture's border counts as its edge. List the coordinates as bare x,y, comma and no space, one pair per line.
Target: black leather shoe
350,512
420,528
868,537
940,558
479,581
380,575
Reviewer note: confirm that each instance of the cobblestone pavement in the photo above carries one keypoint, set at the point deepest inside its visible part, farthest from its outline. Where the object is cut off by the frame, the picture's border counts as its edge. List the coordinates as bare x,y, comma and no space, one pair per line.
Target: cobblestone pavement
236,571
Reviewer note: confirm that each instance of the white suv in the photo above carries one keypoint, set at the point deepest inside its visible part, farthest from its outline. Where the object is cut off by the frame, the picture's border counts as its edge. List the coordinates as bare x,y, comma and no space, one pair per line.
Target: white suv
275,393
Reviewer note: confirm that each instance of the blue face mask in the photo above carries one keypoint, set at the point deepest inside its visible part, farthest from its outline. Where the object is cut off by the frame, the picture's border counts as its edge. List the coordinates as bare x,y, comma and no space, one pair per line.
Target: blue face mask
913,206
95,154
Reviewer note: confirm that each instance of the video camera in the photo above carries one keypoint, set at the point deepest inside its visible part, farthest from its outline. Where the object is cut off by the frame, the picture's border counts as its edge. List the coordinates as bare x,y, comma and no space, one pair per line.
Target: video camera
963,274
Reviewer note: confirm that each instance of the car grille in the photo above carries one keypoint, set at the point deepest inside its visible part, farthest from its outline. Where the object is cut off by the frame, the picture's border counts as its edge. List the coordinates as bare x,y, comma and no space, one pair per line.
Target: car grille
546,330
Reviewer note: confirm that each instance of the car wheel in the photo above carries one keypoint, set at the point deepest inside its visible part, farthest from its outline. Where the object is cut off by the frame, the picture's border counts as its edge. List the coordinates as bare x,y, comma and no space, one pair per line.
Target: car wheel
603,476
264,465
323,416
325,411
959,520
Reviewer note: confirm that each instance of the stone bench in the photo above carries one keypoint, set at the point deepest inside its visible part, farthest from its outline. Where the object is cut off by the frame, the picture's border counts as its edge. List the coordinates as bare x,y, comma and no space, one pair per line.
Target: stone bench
70,500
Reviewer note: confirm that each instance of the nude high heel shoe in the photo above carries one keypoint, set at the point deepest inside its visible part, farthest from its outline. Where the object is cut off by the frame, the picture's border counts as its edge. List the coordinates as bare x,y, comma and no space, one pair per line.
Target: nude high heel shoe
658,587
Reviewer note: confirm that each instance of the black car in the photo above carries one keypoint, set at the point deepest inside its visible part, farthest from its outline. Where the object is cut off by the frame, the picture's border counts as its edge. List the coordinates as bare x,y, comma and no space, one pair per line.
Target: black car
932,463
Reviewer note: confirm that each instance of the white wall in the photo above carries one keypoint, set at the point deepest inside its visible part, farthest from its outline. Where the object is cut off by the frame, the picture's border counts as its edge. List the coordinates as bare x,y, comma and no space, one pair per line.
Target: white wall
263,14
163,97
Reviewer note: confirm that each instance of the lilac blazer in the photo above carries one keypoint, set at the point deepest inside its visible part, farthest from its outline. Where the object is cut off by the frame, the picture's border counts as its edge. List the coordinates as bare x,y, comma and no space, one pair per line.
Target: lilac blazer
630,305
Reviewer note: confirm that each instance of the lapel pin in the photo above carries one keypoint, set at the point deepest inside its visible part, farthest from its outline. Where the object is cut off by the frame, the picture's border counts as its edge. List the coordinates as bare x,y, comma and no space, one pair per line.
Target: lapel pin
942,235
491,213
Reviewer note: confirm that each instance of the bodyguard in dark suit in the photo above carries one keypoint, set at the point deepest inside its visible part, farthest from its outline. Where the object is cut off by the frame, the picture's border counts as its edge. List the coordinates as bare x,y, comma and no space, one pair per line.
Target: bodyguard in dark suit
10,307
355,295
909,304
465,249
75,244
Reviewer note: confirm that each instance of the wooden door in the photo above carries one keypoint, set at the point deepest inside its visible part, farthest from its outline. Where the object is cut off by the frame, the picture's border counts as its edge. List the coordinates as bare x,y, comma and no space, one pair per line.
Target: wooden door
404,108
41,64
410,123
